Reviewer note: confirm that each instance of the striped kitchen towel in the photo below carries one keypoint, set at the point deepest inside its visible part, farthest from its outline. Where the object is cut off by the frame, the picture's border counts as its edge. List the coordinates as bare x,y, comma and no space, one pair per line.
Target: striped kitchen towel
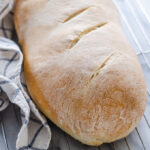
35,132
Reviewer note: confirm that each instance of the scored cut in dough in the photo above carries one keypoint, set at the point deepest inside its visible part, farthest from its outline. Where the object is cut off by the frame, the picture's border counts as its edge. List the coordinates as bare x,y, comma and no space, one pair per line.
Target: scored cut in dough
80,69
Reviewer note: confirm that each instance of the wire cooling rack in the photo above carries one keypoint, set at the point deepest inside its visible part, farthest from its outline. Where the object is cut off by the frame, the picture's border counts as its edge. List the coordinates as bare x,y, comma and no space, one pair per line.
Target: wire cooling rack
135,16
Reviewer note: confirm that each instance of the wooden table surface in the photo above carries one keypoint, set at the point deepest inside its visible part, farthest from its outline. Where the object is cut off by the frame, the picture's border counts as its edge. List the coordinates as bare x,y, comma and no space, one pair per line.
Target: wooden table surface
136,21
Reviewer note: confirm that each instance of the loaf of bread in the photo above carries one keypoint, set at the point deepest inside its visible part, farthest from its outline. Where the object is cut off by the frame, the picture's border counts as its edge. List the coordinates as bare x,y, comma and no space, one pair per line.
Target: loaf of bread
80,69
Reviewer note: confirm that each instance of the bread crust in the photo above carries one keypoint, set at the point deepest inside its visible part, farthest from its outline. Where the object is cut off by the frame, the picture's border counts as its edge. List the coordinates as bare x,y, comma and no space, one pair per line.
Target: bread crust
80,69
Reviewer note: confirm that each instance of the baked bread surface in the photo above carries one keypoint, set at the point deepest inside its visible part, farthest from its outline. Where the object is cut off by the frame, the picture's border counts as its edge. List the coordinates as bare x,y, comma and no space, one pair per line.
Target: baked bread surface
80,69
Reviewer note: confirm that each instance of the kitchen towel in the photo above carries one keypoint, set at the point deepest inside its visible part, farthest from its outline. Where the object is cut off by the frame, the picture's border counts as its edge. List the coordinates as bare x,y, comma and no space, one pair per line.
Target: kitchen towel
35,133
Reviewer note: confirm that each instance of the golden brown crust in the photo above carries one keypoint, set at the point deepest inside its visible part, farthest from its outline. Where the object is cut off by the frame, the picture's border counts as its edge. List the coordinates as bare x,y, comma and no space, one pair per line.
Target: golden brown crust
80,69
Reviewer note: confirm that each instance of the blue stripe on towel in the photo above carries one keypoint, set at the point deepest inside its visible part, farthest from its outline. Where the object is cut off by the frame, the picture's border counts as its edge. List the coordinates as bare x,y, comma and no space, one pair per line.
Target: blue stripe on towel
4,9
7,65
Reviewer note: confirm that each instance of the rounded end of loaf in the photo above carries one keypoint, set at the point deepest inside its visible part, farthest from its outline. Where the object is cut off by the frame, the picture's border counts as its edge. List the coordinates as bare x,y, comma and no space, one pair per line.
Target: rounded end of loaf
108,107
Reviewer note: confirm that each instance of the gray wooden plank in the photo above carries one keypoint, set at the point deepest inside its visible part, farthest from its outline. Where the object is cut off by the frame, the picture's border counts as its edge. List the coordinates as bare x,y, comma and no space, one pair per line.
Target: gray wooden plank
134,142
144,133
74,144
59,141
3,142
107,147
11,126
121,144
86,147
51,146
